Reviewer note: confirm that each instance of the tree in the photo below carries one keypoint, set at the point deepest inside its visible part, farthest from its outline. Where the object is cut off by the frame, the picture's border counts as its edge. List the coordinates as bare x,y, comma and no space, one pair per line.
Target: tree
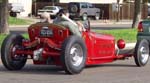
4,17
137,13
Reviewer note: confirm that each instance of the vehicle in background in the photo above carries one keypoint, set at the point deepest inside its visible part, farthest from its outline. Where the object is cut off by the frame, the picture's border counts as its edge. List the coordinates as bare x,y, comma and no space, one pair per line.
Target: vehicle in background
143,43
148,9
52,10
15,8
83,10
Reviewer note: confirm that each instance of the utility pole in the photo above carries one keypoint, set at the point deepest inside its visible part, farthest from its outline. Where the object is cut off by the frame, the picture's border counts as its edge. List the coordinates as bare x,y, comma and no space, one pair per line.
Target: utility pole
4,17
137,13
35,7
118,12
53,3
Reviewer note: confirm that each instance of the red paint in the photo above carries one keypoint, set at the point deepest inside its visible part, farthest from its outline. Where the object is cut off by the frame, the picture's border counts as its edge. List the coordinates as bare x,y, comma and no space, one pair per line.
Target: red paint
100,47
121,43
140,27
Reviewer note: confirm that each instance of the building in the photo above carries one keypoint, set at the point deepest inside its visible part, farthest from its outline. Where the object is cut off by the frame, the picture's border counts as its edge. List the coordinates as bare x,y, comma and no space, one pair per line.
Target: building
27,6
92,1
109,8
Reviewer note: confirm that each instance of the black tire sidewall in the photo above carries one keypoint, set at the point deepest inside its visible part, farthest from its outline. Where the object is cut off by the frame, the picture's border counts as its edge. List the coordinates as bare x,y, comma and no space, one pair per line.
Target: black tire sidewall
65,58
5,52
137,56
74,8
13,14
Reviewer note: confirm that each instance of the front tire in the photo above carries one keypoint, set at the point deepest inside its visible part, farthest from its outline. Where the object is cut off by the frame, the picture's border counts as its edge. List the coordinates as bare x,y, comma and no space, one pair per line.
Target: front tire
9,59
73,56
141,56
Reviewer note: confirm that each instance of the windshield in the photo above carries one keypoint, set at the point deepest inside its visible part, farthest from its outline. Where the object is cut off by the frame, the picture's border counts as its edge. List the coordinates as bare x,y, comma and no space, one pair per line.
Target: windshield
49,8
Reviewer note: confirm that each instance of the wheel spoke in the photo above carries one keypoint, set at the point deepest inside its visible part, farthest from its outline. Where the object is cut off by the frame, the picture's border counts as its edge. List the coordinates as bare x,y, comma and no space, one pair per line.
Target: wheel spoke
144,54
76,54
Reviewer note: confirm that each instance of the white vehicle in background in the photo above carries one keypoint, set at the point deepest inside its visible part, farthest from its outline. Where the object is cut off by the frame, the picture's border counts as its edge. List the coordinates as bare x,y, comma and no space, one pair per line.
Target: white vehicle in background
15,8
52,10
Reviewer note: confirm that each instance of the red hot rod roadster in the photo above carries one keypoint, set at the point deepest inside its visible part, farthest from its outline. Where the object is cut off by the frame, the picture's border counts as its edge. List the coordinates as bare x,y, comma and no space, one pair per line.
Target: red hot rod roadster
52,44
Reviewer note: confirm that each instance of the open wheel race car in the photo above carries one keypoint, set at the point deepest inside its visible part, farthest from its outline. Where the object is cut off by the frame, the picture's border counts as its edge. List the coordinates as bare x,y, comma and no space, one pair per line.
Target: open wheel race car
52,44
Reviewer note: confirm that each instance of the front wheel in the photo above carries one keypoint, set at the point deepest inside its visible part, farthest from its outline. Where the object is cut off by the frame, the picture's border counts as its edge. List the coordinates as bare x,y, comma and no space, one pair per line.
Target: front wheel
11,60
73,56
141,56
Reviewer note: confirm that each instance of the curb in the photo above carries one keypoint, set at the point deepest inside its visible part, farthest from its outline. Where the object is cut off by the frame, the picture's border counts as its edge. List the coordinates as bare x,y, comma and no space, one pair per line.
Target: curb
110,23
18,26
128,46
93,22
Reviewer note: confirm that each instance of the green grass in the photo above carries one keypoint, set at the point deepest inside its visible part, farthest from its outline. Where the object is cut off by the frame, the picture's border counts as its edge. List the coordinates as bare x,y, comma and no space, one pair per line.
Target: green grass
25,36
129,35
18,21
2,37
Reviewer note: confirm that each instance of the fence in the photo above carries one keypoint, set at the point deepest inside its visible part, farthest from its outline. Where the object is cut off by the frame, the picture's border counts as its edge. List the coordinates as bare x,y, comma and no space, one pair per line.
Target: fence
126,10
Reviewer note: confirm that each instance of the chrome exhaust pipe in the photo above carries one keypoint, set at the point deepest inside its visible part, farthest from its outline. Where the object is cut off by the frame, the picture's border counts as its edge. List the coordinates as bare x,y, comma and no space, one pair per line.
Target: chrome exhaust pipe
37,54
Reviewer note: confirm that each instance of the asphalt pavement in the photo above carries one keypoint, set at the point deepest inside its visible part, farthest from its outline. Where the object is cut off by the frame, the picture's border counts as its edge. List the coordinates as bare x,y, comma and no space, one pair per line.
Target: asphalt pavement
111,24
122,71
95,24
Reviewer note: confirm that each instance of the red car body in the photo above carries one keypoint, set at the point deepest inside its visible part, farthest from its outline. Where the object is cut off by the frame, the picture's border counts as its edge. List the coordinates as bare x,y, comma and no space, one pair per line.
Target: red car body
46,42
100,47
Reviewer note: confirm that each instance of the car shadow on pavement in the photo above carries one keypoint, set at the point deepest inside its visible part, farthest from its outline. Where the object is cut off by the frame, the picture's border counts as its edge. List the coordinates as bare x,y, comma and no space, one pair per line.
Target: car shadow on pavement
36,69
54,70
111,65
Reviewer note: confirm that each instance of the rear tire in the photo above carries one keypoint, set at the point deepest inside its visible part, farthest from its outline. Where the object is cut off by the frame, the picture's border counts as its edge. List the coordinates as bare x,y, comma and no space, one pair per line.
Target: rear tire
74,8
13,14
141,56
73,56
10,60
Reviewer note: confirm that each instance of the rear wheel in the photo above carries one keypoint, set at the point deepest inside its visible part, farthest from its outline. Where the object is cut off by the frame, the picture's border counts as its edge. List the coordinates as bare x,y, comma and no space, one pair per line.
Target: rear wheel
11,60
73,55
141,56
13,14
74,8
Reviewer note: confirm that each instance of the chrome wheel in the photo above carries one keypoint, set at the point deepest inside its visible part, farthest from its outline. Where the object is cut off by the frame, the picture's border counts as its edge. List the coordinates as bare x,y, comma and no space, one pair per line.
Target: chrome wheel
76,54
144,54
73,55
141,53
